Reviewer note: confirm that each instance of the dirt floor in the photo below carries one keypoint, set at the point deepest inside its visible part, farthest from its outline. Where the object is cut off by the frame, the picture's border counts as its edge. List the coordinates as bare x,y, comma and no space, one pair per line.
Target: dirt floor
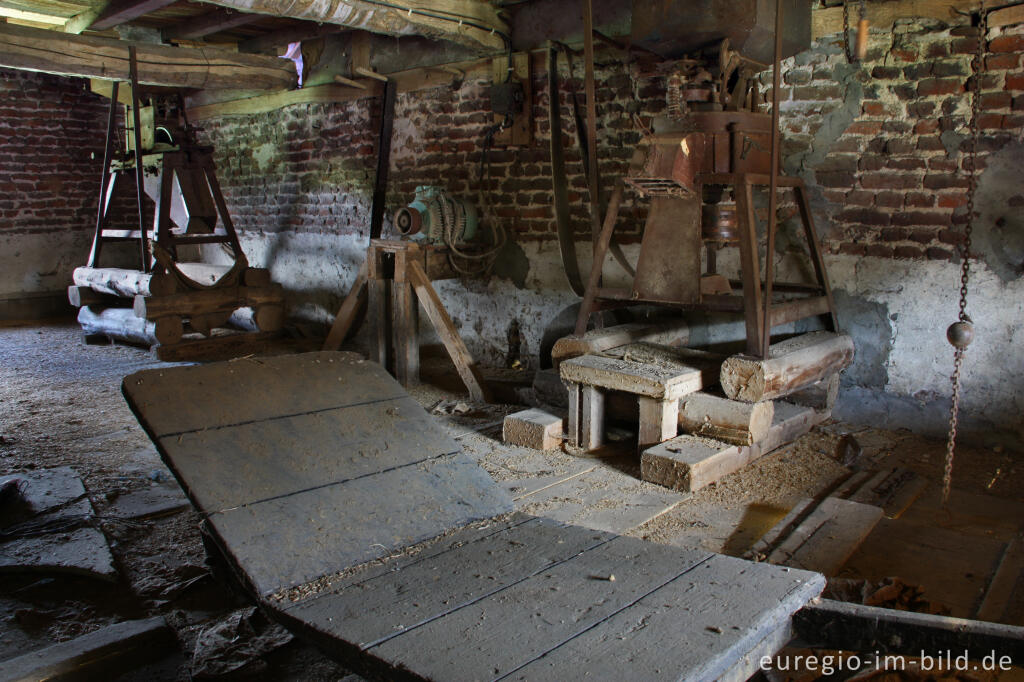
60,405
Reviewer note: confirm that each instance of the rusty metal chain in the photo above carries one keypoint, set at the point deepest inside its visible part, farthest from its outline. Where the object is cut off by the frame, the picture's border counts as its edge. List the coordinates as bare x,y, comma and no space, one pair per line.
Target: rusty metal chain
961,333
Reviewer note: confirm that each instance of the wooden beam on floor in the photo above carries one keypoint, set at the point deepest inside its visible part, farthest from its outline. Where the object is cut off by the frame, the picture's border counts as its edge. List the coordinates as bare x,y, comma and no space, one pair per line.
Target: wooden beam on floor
216,21
855,627
35,49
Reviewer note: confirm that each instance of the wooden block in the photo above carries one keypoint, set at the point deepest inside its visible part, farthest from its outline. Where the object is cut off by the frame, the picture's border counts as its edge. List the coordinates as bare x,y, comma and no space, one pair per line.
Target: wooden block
533,428
690,462
672,378
819,537
102,654
732,421
790,366
659,421
668,333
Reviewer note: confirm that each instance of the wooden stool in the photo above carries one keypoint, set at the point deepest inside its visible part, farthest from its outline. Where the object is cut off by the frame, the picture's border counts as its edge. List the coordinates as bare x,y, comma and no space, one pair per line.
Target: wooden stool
657,375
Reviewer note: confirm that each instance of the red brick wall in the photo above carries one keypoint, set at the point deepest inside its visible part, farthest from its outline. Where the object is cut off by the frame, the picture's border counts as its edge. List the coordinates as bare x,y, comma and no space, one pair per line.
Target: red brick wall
311,167
892,175
50,129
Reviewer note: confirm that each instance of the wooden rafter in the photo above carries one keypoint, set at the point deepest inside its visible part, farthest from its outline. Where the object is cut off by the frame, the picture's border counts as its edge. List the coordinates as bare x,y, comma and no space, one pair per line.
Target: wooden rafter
109,14
35,49
209,23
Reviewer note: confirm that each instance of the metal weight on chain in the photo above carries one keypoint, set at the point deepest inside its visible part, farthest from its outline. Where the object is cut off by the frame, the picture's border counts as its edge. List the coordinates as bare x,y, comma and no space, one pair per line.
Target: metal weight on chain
960,334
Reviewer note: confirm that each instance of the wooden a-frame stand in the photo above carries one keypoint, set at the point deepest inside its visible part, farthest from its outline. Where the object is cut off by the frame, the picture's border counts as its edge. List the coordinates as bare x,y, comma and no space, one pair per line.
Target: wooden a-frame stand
406,269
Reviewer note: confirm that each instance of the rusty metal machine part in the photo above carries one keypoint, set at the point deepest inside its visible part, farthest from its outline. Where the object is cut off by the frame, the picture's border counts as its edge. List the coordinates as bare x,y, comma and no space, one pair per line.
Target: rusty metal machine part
672,28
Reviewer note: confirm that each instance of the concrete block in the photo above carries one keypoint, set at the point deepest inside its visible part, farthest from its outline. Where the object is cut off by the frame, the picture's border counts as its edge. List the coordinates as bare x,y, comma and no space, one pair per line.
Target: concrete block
533,428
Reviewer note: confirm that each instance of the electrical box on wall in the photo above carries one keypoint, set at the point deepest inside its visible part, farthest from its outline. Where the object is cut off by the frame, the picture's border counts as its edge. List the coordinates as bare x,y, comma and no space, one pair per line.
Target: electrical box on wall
511,95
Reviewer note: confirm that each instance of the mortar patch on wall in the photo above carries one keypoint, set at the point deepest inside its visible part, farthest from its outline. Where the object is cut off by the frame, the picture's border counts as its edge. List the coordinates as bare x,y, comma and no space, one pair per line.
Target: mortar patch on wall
999,228
871,328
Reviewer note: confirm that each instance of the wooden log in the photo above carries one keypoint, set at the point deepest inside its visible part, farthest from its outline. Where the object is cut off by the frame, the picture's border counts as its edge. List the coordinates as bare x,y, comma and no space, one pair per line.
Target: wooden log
191,303
820,396
669,333
124,283
66,54
117,323
732,421
79,296
790,366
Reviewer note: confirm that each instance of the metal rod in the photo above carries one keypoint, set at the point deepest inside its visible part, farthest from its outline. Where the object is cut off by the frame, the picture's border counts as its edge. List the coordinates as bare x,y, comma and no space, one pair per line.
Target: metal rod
773,184
139,186
108,150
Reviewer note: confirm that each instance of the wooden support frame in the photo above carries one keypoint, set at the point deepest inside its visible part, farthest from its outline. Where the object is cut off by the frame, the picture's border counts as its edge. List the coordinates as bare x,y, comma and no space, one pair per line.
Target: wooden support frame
760,310
395,276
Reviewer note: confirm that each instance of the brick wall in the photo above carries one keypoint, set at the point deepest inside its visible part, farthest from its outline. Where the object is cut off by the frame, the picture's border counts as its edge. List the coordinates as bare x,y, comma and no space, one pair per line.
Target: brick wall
311,167
50,130
884,142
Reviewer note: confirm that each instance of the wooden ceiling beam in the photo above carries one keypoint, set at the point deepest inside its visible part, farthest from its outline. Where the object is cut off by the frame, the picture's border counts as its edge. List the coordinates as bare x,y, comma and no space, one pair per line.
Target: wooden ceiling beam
34,49
269,42
216,21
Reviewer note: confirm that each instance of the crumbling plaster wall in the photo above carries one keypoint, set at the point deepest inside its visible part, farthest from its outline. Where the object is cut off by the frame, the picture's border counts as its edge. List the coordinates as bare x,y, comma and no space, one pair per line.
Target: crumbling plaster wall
881,145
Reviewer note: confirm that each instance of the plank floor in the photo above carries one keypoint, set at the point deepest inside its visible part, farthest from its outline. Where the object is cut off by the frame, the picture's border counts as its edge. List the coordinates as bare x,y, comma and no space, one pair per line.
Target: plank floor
358,521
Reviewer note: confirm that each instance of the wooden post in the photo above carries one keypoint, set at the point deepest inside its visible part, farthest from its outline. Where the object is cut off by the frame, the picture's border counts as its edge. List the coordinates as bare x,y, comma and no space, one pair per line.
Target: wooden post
432,305
406,322
749,264
658,421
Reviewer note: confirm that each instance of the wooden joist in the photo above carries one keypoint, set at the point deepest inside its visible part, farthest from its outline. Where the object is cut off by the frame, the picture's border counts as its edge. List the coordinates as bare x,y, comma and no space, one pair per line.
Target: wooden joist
790,366
854,627
66,54
216,21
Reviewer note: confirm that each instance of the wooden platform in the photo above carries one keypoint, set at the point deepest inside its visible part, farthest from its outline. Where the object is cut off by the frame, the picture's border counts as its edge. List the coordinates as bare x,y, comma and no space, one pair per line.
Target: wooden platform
357,522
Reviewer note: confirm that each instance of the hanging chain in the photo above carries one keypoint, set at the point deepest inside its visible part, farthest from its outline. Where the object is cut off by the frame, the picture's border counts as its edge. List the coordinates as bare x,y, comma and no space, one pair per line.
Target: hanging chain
964,332
862,12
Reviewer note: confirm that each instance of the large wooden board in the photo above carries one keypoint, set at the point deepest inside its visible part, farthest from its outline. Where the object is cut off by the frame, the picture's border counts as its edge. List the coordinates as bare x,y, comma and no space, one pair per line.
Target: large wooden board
534,600
653,371
338,468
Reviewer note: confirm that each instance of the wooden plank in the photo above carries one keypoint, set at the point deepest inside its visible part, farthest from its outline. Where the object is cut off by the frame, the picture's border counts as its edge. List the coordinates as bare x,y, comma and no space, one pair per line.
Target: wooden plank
287,541
406,324
1006,16
829,21
708,624
464,362
668,379
348,312
280,456
104,653
690,462
823,540
894,490
602,498
507,630
73,55
204,397
791,365
1008,575
855,627
668,333
387,605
